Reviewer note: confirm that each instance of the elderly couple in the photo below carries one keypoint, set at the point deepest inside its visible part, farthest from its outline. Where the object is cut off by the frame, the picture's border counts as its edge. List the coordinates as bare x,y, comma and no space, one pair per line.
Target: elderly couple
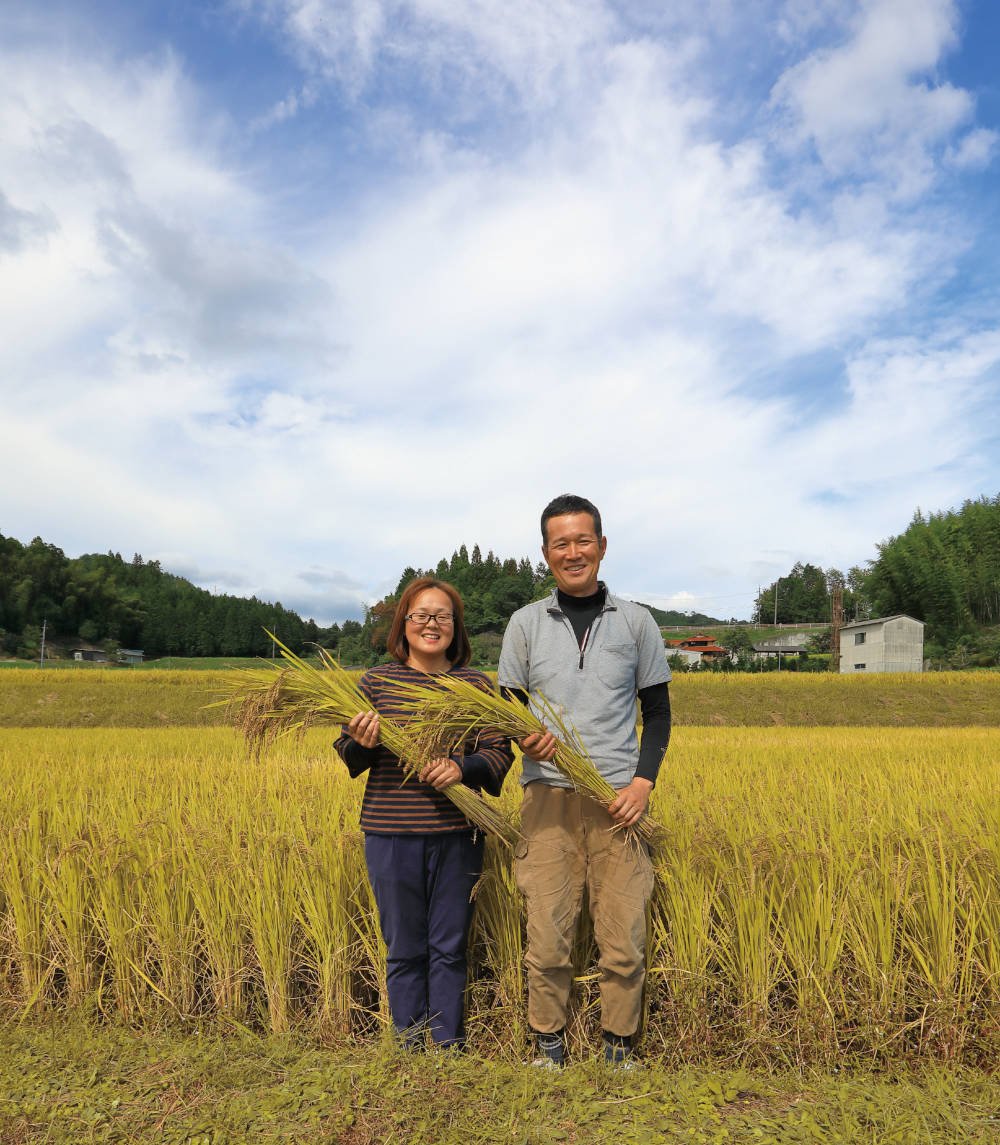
601,659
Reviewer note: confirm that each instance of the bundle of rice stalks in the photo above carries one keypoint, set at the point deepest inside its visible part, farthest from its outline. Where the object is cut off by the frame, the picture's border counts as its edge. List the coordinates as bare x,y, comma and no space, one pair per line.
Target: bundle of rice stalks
458,709
270,702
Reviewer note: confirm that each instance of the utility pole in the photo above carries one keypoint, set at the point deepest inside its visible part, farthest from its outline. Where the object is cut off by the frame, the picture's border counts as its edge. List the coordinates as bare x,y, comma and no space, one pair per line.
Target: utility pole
41,658
836,620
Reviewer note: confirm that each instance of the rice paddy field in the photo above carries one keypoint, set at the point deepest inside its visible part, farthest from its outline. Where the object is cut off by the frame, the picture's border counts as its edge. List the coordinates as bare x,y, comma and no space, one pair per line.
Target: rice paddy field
184,928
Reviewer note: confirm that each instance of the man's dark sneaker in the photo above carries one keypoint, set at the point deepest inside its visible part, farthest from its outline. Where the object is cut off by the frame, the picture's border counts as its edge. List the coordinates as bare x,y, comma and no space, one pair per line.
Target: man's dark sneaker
618,1053
551,1052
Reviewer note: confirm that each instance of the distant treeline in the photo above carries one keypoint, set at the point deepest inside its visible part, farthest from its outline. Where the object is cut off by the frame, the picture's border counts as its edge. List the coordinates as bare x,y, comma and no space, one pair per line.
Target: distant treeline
944,570
491,590
110,602
804,595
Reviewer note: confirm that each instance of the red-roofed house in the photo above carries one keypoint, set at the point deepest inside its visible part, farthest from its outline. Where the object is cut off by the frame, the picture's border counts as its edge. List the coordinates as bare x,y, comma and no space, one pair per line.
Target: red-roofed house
698,649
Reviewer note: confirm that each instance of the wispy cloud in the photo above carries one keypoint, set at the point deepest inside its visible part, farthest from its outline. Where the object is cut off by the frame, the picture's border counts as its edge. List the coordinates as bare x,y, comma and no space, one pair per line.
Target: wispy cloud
874,106
489,50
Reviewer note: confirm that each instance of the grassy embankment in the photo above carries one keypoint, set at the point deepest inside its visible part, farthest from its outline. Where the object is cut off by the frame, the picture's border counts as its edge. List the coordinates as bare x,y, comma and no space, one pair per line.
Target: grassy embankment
56,698
166,664
827,897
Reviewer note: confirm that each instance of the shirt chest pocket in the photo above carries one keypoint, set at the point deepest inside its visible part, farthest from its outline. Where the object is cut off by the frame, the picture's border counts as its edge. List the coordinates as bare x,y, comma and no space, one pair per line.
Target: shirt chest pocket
616,665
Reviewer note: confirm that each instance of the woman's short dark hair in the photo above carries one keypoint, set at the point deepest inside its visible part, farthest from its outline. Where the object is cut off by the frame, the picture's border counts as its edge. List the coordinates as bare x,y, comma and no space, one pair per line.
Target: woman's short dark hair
565,504
459,651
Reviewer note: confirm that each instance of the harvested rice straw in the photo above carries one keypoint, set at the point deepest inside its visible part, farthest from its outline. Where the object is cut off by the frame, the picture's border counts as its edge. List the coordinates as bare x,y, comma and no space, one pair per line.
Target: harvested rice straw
458,709
267,703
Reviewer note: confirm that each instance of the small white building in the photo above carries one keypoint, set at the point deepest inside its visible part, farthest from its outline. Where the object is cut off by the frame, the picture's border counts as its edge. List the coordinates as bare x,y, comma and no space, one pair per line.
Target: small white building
89,652
690,656
889,644
790,644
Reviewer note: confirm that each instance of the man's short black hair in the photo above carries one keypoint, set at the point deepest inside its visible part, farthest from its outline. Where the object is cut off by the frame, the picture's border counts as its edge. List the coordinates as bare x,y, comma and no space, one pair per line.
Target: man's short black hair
565,504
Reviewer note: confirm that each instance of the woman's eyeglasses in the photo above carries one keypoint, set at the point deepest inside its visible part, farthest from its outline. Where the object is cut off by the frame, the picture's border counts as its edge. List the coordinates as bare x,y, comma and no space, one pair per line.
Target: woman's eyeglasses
420,619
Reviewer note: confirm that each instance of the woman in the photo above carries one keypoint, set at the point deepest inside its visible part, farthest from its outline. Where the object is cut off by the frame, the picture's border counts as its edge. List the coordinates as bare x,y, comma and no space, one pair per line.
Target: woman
422,855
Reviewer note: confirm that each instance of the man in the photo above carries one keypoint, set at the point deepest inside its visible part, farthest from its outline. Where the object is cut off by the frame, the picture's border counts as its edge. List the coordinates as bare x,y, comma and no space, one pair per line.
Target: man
594,655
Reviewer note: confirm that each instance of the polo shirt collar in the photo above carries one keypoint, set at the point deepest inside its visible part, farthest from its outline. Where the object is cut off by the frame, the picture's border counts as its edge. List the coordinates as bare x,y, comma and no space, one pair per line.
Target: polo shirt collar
552,604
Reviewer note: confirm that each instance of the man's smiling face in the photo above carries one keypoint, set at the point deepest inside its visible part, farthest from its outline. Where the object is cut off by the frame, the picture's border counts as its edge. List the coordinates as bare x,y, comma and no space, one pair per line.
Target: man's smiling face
574,551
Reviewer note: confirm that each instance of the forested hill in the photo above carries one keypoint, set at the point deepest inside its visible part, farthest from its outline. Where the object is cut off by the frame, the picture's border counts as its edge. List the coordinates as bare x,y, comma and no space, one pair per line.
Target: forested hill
945,570
107,601
670,618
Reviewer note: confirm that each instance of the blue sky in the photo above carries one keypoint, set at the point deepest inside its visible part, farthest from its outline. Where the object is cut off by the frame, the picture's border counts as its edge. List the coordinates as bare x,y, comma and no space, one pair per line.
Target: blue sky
299,292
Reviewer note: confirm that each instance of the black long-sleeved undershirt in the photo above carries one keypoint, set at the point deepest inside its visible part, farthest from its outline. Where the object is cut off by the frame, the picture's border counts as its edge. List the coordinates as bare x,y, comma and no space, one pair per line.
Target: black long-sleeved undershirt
654,705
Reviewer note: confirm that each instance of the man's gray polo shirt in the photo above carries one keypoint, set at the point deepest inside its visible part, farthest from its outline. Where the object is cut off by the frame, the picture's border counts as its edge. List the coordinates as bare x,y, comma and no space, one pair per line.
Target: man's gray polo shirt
595,693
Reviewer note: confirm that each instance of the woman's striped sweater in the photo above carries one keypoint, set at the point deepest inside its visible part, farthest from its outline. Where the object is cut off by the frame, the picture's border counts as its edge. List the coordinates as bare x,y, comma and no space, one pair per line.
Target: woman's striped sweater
392,807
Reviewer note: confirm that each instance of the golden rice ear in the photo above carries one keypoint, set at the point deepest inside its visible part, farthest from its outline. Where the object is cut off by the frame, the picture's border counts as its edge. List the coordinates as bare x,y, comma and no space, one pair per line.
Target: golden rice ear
274,701
459,708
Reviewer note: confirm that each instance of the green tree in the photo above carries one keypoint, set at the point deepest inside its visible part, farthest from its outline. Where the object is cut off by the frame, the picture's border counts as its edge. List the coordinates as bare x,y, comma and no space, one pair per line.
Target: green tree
30,643
88,631
739,644
802,597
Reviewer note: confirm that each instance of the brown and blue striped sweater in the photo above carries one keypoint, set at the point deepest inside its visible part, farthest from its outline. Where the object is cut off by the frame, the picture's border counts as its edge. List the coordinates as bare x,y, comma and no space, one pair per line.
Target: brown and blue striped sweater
392,807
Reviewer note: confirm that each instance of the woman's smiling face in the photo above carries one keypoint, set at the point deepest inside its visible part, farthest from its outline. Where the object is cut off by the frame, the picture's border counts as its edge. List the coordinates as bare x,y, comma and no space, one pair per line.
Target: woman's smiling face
429,642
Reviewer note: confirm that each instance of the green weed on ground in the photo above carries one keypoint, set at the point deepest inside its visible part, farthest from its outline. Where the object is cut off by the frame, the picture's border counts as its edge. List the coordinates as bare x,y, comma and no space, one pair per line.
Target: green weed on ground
70,1081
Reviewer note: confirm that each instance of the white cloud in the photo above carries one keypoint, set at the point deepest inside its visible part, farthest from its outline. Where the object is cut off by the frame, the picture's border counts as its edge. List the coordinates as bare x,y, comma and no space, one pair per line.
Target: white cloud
925,396
590,291
798,19
871,106
488,48
973,151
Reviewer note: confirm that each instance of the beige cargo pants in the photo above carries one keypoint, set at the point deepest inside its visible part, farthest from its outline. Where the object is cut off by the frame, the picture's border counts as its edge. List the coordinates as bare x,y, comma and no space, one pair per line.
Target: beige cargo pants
568,843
